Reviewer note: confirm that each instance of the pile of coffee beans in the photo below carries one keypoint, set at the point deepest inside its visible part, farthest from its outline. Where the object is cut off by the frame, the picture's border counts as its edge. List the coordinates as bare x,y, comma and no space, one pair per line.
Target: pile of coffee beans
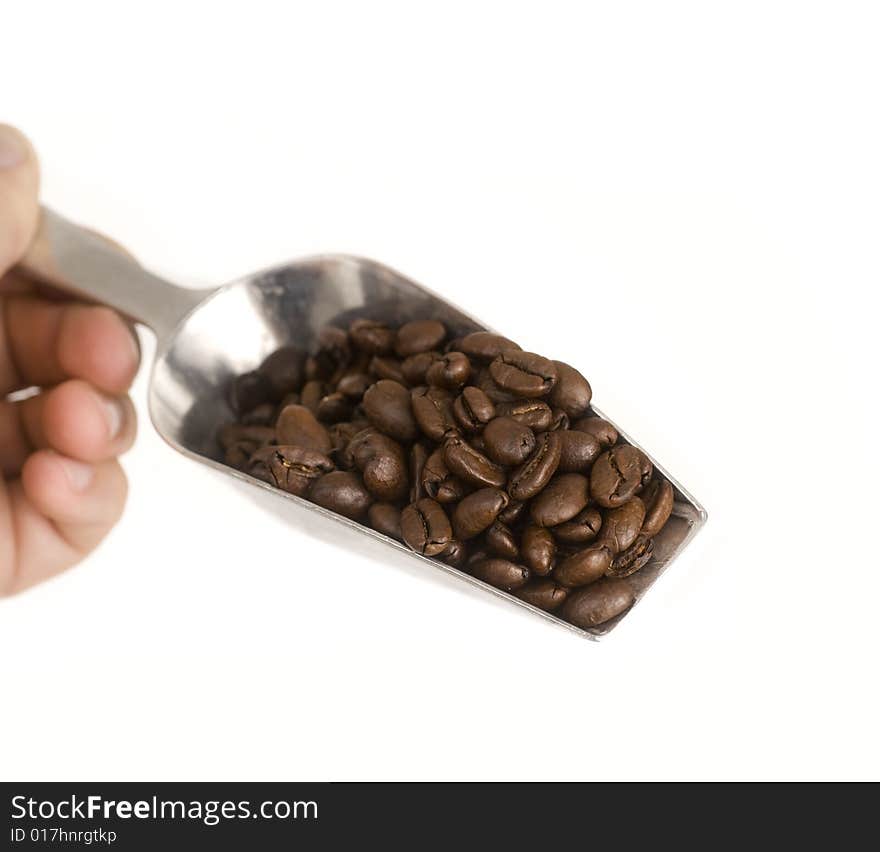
469,450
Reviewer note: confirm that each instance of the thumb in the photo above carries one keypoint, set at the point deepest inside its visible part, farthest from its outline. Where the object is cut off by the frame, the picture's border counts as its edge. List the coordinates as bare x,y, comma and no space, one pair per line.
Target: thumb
19,185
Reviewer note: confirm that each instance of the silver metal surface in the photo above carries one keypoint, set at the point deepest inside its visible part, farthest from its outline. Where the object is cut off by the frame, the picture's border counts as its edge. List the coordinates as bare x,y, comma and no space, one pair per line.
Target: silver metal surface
207,337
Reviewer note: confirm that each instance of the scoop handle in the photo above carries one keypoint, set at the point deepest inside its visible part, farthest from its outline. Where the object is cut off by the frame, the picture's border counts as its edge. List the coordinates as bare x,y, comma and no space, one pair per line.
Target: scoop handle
85,264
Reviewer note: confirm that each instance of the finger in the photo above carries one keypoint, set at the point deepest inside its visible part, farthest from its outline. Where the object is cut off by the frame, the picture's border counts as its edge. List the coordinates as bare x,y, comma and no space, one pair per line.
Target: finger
19,186
60,510
48,342
73,418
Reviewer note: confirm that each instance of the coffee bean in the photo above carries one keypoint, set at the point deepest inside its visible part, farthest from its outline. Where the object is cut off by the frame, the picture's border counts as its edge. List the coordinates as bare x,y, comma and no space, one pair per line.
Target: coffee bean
581,529
383,367
284,369
419,336
432,409
618,474
313,392
598,603
484,346
531,477
601,429
559,420
388,407
233,433
501,541
238,455
508,442
334,408
385,518
659,499
354,385
381,461
292,469
439,482
262,415
572,392
543,593
512,513
249,390
534,413
342,492
477,512
450,372
473,409
524,374
578,451
455,553
633,559
584,566
538,549
621,525
417,458
425,527
334,353
297,426
563,498
372,336
473,467
415,368
500,573
487,385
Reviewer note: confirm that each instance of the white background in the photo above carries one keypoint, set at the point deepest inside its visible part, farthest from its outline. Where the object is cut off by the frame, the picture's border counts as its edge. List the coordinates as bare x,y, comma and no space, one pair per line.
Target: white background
700,183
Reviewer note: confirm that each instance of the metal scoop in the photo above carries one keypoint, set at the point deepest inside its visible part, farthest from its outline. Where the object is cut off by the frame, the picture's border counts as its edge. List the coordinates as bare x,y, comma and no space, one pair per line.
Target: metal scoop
206,337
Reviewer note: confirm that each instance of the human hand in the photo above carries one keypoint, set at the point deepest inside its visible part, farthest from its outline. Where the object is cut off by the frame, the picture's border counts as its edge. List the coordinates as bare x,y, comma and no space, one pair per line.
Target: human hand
61,485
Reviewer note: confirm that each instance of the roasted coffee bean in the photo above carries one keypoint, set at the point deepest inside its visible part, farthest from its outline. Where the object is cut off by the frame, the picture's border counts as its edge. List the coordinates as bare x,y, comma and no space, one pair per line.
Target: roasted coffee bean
528,480
383,367
343,492
388,407
621,525
292,469
354,385
385,518
372,336
477,512
471,466
334,408
417,457
618,474
501,541
538,549
534,413
484,346
598,603
432,409
233,433
543,593
659,499
297,426
475,439
601,429
419,336
415,367
578,452
313,392
563,498
439,482
455,553
238,454
633,559
262,415
524,374
495,392
425,527
584,566
473,409
508,442
512,513
285,371
383,465
500,573
450,372
249,390
581,529
572,392
333,354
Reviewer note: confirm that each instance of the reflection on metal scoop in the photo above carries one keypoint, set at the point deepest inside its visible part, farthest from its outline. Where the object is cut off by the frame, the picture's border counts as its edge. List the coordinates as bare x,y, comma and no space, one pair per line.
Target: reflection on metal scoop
206,337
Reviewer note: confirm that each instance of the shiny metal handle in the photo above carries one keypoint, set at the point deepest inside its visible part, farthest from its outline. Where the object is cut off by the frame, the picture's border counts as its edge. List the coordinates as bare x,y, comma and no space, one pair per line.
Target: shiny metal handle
76,260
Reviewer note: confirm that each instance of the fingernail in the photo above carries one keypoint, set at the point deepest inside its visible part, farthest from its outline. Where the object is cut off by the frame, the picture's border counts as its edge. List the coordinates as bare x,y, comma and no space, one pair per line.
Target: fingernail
79,475
12,148
114,415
